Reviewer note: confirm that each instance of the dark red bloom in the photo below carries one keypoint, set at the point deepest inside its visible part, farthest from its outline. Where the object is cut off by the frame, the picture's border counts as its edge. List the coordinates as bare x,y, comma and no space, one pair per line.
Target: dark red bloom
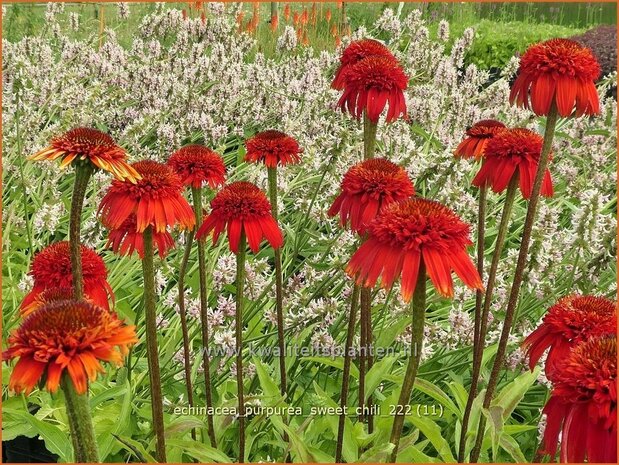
52,294
198,165
273,148
51,269
367,188
355,52
92,145
513,152
66,336
559,71
583,404
478,136
241,207
126,239
372,83
572,320
408,232
155,199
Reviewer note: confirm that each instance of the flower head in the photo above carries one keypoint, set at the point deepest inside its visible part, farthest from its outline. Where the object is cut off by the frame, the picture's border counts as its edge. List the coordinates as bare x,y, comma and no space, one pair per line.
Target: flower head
66,335
407,233
273,148
367,188
51,269
477,136
559,71
355,52
155,200
583,404
511,152
372,83
126,239
571,320
92,145
240,208
198,165
52,294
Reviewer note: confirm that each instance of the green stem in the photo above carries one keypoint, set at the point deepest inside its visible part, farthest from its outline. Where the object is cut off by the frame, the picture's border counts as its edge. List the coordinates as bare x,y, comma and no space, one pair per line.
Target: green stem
83,170
240,285
182,270
346,373
512,303
369,137
148,269
80,423
419,315
480,342
279,286
197,208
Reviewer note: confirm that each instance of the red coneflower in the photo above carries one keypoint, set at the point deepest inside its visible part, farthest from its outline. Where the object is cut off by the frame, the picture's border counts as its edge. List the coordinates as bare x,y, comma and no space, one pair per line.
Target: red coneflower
198,165
583,404
367,188
53,294
126,239
572,320
155,200
273,148
51,269
372,83
89,144
287,11
354,53
71,336
407,233
510,151
559,71
242,208
477,138
274,22
328,15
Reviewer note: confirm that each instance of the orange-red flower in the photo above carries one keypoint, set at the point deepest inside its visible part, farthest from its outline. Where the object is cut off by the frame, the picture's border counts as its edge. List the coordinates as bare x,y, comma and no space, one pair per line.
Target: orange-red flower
370,84
51,269
198,165
126,239
583,404
355,52
367,188
406,233
92,145
53,294
559,71
513,152
273,148
571,320
66,335
477,137
241,207
156,200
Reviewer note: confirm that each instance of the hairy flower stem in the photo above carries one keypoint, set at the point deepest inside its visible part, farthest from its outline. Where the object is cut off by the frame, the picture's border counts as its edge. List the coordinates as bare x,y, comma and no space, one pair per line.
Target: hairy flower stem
197,209
478,348
279,285
148,270
240,286
512,303
350,335
419,315
80,423
83,171
366,357
182,271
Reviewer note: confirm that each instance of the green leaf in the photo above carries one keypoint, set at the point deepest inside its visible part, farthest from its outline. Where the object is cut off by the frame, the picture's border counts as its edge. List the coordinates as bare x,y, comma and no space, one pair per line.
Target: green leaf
388,335
433,432
377,454
512,394
136,449
495,417
117,425
509,445
376,374
200,452
56,441
335,363
437,394
269,387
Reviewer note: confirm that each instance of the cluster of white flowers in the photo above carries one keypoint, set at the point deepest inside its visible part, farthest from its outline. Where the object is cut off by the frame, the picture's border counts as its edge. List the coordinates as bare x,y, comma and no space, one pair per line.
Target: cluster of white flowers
184,80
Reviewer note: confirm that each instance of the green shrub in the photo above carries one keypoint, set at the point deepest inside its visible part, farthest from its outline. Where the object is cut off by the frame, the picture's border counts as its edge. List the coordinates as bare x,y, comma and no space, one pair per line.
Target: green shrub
496,43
